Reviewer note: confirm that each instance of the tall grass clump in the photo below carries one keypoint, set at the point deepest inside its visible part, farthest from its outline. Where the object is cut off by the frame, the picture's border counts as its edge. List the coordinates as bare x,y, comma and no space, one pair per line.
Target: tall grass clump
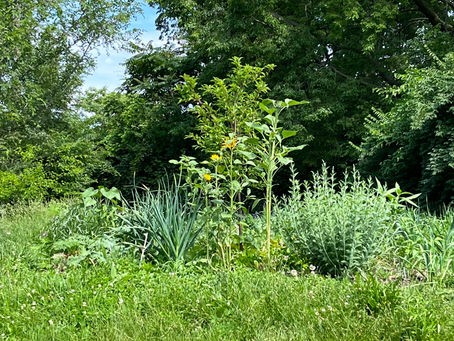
162,223
425,245
339,226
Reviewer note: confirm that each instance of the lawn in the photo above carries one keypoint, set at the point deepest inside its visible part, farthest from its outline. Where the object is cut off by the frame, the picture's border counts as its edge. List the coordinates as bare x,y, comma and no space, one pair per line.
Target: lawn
120,299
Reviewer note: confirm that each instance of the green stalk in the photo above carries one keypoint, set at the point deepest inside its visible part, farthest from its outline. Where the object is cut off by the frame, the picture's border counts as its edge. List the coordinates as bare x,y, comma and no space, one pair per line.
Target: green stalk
269,189
207,228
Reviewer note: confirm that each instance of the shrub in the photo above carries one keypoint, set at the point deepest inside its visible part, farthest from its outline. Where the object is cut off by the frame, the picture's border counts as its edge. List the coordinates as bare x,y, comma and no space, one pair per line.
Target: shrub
30,184
338,226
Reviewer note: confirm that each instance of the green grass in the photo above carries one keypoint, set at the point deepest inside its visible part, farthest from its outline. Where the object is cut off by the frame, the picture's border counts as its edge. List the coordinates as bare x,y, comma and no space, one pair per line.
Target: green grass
118,300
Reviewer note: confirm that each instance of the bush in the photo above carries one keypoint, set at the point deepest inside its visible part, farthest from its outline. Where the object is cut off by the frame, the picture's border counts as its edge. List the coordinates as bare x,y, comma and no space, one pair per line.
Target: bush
30,184
338,226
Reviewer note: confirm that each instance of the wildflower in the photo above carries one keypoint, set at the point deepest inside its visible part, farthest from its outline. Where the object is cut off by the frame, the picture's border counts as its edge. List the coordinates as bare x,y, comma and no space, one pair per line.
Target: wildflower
323,310
84,304
51,322
294,273
207,177
44,234
120,301
33,303
94,292
216,157
312,267
228,302
73,291
330,308
346,303
229,145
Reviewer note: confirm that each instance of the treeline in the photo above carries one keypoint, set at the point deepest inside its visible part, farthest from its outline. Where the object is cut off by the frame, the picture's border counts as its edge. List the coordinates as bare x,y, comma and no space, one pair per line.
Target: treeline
378,75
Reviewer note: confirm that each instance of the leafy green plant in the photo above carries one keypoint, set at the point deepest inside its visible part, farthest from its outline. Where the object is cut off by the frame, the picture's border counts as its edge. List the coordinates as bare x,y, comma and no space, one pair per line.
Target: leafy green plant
271,152
77,249
397,196
93,217
342,225
92,196
223,109
161,223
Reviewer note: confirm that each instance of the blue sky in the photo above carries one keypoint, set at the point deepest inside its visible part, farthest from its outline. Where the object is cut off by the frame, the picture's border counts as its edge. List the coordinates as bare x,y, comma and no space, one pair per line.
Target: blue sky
109,71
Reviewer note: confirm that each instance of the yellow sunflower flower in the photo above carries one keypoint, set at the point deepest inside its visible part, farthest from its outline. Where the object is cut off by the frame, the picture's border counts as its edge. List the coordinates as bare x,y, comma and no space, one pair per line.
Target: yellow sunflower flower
207,177
229,145
215,157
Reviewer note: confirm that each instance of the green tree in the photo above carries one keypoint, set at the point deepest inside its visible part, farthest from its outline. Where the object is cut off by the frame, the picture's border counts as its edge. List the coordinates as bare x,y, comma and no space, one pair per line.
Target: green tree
332,53
47,47
413,142
144,127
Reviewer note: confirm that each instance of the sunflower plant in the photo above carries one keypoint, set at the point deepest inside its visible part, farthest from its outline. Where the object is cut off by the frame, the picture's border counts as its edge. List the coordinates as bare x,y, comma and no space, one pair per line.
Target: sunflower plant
223,108
268,152
239,133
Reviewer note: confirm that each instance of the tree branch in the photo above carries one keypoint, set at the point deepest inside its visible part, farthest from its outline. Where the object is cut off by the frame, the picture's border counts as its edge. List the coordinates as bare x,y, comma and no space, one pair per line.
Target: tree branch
379,68
351,77
287,20
447,2
433,17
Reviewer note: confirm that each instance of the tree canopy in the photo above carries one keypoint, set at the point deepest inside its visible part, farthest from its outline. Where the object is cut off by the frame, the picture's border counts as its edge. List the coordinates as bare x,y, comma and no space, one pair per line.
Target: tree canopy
365,67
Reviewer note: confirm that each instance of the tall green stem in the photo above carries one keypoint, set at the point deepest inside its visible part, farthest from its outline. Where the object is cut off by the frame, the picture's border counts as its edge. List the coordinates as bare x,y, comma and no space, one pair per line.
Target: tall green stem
268,199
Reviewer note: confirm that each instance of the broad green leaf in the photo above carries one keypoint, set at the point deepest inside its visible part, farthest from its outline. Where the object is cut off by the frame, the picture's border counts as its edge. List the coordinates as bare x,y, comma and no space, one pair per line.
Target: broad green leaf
249,155
292,102
89,201
89,192
291,149
288,133
236,186
113,193
266,109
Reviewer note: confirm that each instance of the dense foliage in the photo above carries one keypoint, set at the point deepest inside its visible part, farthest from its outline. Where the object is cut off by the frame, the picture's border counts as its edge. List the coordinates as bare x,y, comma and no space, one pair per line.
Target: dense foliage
46,49
413,142
218,252
149,110
331,53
